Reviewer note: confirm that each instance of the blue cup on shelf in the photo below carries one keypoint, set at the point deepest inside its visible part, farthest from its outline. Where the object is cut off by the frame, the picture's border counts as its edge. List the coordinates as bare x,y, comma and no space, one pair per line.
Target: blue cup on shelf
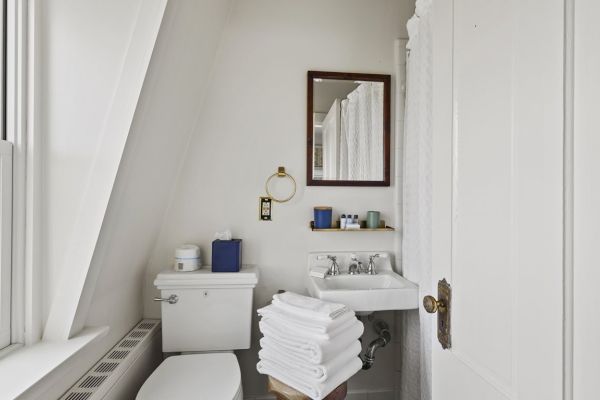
323,217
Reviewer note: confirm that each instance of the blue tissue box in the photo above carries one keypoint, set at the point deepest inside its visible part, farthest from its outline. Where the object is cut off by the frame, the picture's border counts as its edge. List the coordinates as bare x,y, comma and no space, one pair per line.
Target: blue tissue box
226,255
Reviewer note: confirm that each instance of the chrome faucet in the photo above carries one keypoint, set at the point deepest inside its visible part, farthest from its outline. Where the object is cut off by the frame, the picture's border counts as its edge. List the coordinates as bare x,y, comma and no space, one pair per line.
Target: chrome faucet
334,269
371,266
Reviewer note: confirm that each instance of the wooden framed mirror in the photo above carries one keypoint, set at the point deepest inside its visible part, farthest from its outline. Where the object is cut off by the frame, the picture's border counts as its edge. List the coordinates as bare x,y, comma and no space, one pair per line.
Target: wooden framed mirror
348,129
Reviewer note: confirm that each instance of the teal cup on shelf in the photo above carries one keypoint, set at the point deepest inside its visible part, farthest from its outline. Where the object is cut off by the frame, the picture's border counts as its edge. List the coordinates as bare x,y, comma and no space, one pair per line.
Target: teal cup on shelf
373,219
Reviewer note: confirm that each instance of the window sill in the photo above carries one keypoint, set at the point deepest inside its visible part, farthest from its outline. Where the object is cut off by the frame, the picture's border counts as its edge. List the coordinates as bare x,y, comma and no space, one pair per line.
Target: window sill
4,352
22,368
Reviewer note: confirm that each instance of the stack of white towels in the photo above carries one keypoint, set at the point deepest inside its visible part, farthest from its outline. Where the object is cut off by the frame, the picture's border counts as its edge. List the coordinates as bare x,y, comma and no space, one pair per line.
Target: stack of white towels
309,344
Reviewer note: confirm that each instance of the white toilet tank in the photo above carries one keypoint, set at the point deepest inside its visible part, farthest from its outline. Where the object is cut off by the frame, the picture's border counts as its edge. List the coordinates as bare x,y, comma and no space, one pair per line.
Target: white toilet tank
212,311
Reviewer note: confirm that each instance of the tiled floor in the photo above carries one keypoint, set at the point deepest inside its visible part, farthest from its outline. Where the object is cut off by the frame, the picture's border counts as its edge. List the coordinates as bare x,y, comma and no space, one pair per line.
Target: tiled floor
371,396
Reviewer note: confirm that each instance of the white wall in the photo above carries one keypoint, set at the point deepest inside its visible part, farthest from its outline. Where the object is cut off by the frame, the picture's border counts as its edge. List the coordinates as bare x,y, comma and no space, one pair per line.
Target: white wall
252,122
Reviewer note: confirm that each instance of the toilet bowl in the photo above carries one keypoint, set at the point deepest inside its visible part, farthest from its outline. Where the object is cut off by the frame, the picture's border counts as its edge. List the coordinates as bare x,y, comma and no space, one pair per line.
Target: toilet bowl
213,376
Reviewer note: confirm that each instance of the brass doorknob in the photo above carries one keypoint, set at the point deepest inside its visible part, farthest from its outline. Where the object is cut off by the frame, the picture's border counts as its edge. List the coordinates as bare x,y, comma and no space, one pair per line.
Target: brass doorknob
432,305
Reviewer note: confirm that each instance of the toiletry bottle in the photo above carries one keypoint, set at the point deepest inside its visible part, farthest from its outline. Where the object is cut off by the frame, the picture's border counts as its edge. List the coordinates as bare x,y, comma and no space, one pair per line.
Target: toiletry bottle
355,220
343,221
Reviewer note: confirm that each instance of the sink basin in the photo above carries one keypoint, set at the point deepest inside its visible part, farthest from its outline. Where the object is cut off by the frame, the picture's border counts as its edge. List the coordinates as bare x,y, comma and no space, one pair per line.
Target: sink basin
363,293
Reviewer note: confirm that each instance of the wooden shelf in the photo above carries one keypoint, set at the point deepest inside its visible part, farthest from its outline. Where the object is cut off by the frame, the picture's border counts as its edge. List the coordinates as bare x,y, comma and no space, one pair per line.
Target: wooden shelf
363,228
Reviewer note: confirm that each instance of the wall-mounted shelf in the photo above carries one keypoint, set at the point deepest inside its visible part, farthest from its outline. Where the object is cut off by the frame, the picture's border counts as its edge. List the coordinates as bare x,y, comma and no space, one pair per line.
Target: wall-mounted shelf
363,228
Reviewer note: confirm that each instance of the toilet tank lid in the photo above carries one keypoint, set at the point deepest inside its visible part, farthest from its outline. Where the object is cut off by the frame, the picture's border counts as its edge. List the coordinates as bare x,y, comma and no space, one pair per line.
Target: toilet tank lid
205,278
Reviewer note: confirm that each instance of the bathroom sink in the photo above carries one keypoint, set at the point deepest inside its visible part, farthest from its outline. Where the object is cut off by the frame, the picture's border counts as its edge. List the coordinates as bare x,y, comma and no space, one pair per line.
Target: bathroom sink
362,292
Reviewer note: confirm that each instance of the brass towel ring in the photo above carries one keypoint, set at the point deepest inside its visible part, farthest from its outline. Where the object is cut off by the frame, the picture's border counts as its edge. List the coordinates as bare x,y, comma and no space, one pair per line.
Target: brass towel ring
280,174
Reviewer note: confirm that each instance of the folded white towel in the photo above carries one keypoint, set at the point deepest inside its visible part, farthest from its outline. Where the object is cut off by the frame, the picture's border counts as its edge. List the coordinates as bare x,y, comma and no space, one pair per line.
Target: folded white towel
309,325
315,349
309,307
314,390
306,370
345,334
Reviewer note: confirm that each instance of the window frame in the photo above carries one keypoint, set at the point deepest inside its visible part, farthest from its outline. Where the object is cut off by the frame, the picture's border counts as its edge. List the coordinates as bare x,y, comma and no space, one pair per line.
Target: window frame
22,72
5,243
5,200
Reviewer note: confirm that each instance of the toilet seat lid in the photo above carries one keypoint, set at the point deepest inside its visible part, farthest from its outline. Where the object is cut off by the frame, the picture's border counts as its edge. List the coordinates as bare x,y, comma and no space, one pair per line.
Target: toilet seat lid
194,376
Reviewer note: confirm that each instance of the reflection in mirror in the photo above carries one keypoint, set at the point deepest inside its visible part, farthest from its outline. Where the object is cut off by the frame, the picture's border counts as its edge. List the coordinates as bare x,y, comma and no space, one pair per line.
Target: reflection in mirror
349,135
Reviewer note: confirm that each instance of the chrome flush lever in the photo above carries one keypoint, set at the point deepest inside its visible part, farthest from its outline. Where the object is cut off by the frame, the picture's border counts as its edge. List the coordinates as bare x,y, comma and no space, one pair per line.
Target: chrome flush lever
171,300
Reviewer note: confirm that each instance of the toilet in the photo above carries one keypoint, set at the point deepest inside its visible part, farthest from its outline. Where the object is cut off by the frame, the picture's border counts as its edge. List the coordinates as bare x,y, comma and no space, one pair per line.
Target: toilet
205,316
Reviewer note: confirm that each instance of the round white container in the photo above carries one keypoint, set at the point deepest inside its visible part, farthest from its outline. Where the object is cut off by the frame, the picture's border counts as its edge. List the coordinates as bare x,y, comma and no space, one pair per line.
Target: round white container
187,258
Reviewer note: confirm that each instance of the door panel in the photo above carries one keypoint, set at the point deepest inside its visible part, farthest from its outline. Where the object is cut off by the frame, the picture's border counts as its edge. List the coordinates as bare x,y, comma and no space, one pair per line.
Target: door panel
586,362
497,197
482,207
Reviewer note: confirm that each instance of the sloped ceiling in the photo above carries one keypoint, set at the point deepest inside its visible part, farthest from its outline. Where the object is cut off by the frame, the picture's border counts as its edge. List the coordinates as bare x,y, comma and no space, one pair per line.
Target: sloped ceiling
133,158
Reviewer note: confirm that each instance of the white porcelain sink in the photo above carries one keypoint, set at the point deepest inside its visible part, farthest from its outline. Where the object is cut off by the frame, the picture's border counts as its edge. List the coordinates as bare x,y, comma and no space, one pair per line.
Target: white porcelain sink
363,293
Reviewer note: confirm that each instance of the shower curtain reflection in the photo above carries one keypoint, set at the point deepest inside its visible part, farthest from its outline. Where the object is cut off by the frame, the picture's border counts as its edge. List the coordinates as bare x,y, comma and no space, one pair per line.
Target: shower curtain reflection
353,135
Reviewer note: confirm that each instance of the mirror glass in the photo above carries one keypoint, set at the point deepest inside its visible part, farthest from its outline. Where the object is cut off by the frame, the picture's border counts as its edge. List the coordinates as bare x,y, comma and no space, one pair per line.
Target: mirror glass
348,133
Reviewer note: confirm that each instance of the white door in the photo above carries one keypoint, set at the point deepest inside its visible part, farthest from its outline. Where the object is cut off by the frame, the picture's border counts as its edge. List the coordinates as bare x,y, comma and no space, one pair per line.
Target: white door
586,359
498,197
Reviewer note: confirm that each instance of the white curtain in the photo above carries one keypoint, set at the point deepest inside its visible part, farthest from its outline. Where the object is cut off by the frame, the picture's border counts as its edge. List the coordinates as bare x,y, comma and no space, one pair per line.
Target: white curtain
331,141
361,150
343,166
417,191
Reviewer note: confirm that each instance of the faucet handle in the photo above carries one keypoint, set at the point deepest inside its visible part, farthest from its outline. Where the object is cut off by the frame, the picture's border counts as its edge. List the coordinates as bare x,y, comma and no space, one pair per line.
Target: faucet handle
334,269
377,255
371,268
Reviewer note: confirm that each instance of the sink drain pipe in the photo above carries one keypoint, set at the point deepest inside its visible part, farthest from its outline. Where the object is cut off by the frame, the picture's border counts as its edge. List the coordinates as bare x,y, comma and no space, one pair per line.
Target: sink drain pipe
383,331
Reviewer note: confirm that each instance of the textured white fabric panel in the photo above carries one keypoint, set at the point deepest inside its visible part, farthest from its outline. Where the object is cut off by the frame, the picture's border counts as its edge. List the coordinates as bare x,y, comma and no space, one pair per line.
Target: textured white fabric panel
361,155
331,141
417,191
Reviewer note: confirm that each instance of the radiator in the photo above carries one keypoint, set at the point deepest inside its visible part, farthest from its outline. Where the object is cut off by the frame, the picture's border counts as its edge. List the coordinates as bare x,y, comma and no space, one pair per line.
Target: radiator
121,372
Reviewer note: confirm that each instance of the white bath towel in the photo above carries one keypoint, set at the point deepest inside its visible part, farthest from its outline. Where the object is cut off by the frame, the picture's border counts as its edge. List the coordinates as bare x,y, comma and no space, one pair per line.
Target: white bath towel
344,334
315,349
291,329
303,324
307,370
309,307
314,390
